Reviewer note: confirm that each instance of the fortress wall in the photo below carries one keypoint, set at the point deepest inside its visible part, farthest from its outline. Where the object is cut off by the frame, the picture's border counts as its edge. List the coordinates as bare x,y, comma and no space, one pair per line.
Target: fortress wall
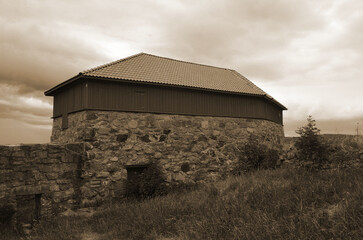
206,147
40,179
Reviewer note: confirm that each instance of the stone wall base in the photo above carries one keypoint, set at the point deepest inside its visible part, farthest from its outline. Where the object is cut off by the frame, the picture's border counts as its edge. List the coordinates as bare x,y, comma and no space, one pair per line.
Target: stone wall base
208,146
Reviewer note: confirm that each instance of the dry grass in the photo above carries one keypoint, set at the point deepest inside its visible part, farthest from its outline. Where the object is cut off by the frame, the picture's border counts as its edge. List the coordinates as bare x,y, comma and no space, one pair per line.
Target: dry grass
267,204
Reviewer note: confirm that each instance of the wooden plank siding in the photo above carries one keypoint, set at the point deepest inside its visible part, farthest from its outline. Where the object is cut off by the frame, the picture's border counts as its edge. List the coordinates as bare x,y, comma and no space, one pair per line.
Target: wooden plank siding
117,96
71,99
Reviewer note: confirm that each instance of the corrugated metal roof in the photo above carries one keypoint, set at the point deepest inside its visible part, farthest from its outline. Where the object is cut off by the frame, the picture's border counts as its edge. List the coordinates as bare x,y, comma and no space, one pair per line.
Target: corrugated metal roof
149,68
154,69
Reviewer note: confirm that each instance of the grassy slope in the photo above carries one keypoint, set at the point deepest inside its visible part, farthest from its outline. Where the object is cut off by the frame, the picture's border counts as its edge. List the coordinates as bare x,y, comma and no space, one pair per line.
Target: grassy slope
269,204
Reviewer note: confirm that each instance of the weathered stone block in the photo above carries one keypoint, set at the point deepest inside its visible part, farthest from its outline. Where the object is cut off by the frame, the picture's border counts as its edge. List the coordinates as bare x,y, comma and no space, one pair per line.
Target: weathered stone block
42,154
52,176
95,183
132,124
122,137
91,116
145,138
117,176
179,177
104,130
69,192
50,160
57,196
158,155
103,174
54,187
19,162
148,150
19,153
204,124
87,193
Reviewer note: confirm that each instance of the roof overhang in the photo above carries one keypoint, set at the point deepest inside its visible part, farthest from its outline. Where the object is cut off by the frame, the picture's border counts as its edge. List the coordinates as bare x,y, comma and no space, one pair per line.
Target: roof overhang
53,90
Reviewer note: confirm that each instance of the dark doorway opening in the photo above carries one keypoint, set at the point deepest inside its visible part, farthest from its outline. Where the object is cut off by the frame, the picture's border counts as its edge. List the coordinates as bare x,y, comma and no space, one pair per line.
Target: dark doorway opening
28,208
134,179
134,171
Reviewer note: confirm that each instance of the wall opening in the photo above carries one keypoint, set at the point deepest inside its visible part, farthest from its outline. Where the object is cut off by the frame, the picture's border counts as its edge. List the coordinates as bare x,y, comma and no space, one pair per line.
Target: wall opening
28,208
134,179
134,172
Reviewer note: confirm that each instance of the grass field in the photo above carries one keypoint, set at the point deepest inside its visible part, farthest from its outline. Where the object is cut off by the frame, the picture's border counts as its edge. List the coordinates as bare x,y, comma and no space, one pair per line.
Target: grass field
267,204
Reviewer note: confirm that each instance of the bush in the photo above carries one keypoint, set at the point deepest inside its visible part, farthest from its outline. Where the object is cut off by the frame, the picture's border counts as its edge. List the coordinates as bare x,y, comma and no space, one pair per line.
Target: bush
337,155
312,150
150,183
256,155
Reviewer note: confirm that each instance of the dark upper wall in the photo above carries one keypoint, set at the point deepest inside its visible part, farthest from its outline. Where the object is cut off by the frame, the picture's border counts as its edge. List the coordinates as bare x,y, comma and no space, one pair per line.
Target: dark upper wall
70,99
108,95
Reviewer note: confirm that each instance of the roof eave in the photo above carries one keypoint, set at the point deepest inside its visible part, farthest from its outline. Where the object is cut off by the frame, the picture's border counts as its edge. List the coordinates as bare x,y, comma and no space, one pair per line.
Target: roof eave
275,101
51,91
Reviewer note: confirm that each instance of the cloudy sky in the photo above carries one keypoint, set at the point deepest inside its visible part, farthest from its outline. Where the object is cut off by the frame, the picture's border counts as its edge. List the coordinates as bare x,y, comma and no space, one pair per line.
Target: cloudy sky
306,54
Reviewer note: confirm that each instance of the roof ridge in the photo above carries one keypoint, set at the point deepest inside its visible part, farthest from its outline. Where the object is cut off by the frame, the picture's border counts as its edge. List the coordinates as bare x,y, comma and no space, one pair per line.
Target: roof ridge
142,53
205,65
110,63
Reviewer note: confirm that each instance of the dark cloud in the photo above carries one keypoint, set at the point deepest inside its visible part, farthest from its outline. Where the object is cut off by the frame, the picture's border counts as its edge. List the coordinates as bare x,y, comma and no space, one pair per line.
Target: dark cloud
34,59
242,34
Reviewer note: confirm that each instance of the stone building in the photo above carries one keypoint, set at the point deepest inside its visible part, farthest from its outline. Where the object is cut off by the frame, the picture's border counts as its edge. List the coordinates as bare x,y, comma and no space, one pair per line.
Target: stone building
109,122
189,117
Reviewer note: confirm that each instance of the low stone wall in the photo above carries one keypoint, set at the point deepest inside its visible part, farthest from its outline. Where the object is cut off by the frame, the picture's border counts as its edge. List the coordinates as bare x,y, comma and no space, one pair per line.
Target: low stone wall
206,147
40,179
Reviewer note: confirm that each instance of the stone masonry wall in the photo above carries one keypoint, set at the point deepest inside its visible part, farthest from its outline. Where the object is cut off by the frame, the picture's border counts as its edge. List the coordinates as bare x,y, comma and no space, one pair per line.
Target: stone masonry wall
206,147
48,170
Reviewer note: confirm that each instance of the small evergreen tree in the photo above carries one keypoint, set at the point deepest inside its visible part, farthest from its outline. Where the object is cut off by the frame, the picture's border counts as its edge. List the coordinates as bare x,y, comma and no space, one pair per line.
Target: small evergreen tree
312,150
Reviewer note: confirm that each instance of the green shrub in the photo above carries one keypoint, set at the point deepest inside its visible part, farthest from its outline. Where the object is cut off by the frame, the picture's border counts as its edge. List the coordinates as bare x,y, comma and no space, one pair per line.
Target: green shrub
256,155
150,183
312,150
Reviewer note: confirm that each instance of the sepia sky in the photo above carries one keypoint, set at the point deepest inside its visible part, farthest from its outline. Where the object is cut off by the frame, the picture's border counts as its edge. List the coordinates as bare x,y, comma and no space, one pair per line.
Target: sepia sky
306,54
